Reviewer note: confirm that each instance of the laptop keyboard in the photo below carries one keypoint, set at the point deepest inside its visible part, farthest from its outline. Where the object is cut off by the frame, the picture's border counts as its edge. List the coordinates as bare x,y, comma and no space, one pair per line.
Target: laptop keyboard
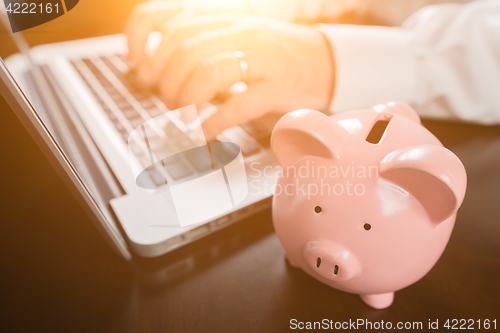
128,104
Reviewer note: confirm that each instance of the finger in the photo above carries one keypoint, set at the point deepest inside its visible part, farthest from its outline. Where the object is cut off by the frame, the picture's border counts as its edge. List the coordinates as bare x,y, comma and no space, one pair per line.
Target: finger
258,100
194,50
212,76
175,33
144,19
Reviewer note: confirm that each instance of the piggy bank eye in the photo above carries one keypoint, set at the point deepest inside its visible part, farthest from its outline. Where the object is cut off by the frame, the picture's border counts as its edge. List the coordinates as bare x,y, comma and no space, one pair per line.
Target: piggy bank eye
367,226
317,209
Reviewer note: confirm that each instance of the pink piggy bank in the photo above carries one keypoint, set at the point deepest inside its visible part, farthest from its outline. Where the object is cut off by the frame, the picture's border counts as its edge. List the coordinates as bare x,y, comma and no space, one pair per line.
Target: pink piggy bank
366,200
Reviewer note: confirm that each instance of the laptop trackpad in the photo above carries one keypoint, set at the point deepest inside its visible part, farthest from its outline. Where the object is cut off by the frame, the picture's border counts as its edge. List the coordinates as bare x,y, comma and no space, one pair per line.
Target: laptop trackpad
148,218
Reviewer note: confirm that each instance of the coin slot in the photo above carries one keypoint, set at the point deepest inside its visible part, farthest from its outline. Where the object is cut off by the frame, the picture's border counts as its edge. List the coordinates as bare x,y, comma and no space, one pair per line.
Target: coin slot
377,131
336,270
318,262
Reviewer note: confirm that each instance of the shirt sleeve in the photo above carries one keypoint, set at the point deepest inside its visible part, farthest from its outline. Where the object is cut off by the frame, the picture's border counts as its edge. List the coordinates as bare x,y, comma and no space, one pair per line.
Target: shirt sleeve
444,61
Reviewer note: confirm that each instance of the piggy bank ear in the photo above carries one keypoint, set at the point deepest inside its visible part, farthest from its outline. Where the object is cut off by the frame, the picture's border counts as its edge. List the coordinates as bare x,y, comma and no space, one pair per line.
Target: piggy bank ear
398,108
302,133
432,174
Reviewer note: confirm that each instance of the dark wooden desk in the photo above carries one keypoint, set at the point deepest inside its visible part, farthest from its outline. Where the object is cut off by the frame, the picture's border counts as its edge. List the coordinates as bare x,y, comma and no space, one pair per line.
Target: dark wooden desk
57,274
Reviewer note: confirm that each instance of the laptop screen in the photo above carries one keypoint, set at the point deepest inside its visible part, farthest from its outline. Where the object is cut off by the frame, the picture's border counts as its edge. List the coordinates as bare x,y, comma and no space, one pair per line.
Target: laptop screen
17,103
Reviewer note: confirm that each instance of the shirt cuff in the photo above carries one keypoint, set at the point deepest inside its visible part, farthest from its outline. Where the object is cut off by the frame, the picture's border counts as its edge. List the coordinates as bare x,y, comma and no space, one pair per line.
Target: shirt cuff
373,65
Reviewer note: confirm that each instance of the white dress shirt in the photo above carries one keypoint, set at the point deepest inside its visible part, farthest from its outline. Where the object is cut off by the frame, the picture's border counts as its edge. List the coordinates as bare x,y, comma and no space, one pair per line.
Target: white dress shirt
444,60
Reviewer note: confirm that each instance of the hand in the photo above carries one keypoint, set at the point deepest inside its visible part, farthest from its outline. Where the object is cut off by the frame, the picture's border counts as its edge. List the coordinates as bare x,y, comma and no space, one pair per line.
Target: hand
289,66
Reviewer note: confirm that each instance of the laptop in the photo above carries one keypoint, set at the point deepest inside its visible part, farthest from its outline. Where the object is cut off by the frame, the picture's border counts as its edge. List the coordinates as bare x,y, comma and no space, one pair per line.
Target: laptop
80,101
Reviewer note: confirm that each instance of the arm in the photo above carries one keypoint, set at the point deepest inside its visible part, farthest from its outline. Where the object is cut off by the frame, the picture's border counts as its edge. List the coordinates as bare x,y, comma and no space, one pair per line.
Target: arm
444,61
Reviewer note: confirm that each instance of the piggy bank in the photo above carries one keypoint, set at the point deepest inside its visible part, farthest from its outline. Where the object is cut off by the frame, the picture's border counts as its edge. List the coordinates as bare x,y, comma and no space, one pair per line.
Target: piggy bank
366,199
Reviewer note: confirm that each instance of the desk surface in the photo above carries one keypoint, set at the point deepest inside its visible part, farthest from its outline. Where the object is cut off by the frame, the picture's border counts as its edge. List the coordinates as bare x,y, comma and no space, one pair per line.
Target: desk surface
57,274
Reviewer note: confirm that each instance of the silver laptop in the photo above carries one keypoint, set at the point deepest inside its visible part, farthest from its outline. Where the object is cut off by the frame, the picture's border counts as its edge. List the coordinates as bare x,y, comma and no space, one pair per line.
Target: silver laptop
82,99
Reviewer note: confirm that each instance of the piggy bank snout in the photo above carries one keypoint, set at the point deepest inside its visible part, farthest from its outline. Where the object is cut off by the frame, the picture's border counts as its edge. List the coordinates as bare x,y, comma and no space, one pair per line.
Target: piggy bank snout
331,260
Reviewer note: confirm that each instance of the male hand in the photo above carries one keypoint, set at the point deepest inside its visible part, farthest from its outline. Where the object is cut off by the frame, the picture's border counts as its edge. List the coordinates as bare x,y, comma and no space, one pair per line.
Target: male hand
289,66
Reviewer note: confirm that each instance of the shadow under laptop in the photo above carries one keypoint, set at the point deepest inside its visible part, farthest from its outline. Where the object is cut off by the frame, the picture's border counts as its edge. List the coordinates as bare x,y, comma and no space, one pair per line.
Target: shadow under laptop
189,262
